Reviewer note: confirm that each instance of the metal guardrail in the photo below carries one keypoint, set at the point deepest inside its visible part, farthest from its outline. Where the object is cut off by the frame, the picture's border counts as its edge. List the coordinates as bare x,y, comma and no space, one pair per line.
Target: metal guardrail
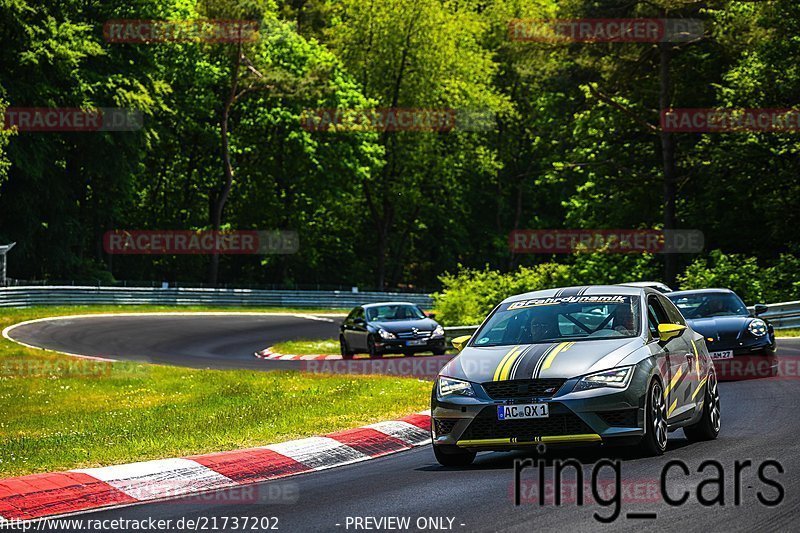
451,332
68,295
784,315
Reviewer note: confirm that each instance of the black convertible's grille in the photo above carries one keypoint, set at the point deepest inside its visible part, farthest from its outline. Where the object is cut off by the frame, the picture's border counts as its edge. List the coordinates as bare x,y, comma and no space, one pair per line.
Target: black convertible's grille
522,388
625,418
413,335
487,426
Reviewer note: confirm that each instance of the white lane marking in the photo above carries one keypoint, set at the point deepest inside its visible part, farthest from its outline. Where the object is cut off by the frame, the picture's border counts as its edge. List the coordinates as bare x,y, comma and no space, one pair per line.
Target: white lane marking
7,331
158,479
315,317
318,452
408,433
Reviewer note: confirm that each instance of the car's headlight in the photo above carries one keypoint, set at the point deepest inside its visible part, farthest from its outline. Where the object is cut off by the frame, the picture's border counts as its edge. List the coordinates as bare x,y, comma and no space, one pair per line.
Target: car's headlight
438,332
757,327
454,386
617,378
386,334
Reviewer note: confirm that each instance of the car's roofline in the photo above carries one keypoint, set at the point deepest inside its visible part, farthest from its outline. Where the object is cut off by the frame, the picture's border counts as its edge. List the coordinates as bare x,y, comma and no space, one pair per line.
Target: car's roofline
699,291
590,290
367,306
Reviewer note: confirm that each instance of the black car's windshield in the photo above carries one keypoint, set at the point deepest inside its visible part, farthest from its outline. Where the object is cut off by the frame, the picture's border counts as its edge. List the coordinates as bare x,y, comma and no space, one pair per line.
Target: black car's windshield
712,304
561,319
384,313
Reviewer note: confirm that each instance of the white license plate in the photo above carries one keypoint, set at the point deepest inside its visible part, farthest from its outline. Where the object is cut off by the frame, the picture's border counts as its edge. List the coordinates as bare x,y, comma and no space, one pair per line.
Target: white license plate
514,412
419,342
727,354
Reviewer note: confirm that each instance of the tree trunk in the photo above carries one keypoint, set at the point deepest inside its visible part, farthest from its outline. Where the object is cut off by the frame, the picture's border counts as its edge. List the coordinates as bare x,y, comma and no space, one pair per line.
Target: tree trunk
668,161
221,198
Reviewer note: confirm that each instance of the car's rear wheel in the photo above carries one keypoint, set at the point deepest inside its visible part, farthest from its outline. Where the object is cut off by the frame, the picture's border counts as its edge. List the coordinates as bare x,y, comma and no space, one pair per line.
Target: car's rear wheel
343,348
372,350
654,441
448,455
438,351
707,428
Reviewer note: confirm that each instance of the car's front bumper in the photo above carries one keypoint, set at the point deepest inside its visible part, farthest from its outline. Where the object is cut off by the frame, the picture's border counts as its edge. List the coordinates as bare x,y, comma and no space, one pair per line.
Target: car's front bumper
402,346
577,418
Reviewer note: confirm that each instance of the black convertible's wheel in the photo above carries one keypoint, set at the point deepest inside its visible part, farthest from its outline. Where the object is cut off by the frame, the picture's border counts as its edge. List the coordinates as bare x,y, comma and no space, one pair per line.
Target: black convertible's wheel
707,428
654,441
345,351
371,349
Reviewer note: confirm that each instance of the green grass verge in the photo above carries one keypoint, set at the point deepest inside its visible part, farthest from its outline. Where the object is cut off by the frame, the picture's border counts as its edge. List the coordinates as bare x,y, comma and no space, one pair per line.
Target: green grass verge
60,412
787,333
306,347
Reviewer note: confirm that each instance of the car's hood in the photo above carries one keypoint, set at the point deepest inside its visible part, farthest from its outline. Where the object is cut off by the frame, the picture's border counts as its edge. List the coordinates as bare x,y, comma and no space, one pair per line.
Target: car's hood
720,327
396,326
547,360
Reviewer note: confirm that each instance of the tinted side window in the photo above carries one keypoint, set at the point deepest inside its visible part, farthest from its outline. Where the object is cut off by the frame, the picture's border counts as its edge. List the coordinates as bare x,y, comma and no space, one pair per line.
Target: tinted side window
655,315
673,313
353,314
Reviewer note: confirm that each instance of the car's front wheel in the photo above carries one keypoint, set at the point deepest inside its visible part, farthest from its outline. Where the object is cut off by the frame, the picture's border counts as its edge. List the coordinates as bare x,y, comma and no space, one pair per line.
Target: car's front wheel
707,428
344,349
372,350
654,441
453,455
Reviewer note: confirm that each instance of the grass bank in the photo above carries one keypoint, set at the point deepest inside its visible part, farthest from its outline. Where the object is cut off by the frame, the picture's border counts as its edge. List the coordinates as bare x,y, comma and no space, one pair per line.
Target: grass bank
60,412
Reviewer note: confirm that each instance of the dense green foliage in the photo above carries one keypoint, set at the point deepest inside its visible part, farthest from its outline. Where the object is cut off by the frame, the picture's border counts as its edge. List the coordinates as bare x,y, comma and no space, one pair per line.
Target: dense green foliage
469,295
575,143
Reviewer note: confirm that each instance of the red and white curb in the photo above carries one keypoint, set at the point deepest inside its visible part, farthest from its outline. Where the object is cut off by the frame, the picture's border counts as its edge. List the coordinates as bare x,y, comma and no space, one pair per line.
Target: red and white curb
64,493
267,353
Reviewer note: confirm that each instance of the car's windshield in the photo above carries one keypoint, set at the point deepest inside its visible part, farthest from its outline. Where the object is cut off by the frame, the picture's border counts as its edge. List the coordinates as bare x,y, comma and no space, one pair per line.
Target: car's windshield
710,304
384,313
561,319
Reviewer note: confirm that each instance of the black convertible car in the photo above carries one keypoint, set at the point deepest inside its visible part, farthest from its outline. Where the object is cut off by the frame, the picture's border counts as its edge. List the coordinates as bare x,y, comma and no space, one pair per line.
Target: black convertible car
730,330
391,327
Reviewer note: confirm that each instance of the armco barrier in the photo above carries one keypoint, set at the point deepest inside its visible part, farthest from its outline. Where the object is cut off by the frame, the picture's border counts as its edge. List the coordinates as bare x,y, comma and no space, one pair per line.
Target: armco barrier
67,295
785,315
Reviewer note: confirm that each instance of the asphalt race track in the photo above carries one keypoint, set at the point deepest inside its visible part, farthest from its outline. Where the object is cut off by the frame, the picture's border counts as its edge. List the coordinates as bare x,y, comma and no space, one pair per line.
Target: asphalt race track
759,424
220,341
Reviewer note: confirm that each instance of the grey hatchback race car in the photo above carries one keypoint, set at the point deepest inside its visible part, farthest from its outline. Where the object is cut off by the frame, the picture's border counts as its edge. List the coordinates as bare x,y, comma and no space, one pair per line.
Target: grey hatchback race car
605,365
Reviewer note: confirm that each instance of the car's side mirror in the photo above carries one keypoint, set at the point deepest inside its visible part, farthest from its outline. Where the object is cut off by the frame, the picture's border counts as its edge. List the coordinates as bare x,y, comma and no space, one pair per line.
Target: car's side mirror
669,331
459,342
430,315
760,309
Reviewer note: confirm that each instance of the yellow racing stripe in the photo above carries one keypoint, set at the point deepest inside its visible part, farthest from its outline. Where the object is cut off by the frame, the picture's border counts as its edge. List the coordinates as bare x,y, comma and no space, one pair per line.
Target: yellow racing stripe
505,373
674,380
696,360
499,370
564,346
699,387
672,407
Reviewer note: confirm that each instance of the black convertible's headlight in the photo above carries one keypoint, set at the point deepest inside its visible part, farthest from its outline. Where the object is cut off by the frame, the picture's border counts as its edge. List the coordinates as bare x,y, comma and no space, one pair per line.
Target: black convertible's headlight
459,387
617,378
757,327
386,334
